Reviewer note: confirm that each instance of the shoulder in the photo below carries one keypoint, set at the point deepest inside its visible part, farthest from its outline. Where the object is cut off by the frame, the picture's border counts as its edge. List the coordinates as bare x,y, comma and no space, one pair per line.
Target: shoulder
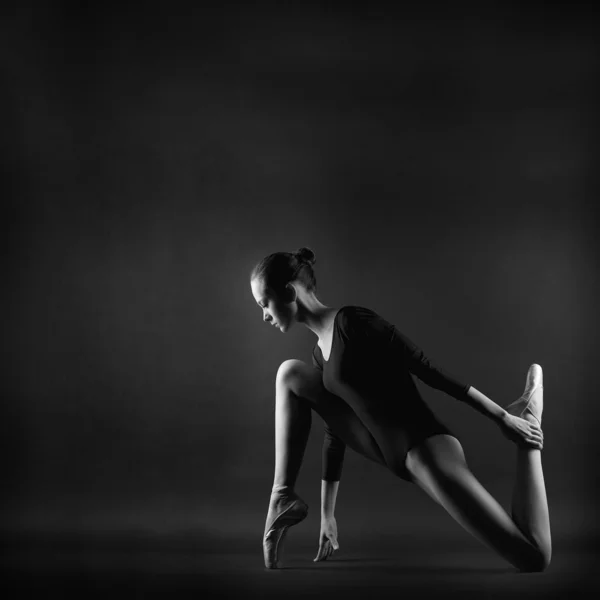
362,321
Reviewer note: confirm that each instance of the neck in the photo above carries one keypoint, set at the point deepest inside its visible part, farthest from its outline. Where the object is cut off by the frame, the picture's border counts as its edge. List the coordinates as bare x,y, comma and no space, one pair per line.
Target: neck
315,315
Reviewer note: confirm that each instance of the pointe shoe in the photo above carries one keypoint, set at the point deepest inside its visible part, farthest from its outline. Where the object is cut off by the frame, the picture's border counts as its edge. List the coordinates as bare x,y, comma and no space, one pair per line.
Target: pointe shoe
532,400
290,512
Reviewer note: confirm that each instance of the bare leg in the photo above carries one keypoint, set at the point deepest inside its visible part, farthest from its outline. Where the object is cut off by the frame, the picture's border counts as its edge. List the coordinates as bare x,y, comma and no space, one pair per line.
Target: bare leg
529,502
299,389
439,467
293,420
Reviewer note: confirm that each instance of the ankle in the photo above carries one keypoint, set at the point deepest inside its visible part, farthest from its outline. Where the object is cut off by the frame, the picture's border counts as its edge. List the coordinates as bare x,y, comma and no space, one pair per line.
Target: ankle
282,490
529,416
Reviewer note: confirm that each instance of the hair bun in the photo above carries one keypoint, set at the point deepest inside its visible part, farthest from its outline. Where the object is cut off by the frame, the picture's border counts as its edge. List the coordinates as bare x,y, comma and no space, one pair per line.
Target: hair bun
306,255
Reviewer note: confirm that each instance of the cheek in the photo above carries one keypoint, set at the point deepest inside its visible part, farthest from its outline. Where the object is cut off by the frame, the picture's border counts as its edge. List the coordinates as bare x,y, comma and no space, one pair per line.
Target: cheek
287,316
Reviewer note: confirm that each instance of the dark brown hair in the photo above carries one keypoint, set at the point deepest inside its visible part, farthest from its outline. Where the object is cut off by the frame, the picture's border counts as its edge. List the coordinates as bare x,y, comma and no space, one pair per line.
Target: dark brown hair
278,269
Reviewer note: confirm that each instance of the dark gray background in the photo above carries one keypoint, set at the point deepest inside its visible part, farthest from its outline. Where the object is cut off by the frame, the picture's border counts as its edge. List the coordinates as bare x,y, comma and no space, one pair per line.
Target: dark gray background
438,161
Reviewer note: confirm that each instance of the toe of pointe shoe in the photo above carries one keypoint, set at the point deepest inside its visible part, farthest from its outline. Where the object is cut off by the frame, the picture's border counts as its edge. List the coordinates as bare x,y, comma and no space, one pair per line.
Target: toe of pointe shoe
271,547
535,379
531,401
289,515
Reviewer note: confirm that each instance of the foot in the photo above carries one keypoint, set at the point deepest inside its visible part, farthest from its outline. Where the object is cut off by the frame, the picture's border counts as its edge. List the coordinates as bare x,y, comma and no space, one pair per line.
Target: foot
286,508
531,402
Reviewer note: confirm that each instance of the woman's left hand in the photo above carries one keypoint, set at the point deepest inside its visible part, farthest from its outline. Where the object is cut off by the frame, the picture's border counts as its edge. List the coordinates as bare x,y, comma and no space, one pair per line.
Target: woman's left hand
328,539
522,432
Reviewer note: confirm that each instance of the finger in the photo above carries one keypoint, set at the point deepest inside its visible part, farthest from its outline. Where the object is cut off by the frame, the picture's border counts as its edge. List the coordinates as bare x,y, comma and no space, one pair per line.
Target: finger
535,430
535,443
329,549
335,544
323,552
319,553
538,429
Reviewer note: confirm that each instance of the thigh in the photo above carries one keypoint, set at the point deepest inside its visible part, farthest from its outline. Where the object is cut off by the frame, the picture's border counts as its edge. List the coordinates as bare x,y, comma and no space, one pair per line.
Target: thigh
438,466
307,382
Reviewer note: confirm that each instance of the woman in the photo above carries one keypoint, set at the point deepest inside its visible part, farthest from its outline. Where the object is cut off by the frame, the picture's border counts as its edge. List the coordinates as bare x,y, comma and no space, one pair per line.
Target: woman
361,384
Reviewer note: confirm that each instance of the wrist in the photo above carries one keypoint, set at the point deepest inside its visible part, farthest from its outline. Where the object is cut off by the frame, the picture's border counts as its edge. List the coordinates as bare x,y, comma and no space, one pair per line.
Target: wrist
328,496
503,417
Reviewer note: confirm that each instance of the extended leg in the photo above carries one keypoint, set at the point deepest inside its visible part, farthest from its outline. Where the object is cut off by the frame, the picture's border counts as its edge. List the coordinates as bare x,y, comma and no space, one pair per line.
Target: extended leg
529,502
439,467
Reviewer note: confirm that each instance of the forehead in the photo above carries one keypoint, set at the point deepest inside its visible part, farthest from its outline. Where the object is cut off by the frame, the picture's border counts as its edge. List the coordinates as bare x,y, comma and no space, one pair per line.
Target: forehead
259,290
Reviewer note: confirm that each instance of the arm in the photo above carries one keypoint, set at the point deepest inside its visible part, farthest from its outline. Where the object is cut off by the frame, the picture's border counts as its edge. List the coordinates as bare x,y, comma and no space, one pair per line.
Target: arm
328,535
481,403
381,336
514,428
379,331
434,376
329,490
333,458
333,452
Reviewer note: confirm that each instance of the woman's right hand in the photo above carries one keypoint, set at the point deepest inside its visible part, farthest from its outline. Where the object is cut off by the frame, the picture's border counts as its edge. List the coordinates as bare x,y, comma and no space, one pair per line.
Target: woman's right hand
327,539
522,431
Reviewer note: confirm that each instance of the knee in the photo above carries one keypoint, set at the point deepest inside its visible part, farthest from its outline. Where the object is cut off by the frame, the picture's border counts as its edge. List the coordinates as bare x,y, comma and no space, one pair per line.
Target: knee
290,372
547,557
539,563
544,559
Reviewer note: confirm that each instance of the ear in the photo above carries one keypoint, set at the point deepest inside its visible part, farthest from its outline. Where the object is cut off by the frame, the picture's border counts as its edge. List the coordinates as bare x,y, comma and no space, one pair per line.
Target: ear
291,293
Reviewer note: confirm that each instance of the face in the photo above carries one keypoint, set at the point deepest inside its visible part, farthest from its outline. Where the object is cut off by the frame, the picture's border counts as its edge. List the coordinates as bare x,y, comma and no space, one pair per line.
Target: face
275,312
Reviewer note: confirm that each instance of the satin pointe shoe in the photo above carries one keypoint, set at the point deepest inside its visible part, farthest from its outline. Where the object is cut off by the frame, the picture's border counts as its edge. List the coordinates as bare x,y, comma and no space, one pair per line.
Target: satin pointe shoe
288,510
532,400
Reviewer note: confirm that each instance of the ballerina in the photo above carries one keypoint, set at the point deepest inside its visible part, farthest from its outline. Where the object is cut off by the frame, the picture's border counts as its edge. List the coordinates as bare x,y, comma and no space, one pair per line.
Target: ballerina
360,383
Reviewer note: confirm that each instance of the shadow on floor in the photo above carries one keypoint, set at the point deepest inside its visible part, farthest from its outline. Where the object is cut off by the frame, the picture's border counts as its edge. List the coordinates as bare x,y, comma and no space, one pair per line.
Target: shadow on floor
149,568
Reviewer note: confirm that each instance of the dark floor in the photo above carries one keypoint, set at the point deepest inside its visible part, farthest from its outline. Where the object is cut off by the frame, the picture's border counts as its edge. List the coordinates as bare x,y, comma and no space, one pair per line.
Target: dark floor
111,566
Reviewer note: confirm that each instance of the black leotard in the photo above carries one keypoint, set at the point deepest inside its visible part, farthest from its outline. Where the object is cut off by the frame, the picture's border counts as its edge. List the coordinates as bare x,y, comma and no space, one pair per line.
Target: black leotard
370,367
